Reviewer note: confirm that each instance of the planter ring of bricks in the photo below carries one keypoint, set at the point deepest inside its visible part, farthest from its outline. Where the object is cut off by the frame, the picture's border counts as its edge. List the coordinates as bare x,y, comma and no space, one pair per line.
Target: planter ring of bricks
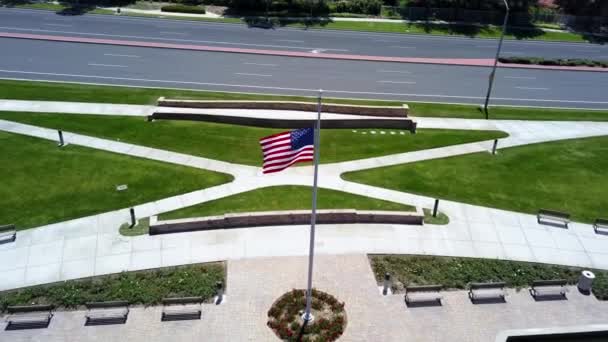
285,317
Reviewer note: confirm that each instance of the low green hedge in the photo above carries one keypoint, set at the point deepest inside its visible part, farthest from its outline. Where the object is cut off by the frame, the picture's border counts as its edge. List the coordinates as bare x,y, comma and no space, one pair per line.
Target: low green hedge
183,9
456,273
554,62
145,287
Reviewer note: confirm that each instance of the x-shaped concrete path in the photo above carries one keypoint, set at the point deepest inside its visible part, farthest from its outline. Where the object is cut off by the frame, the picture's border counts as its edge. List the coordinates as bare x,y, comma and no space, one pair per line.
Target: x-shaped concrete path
91,245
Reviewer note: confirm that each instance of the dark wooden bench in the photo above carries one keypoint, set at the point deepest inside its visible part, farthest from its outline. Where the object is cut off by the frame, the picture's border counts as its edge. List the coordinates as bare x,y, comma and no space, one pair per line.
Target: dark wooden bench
600,226
549,288
8,233
111,312
553,217
180,309
487,291
29,316
423,294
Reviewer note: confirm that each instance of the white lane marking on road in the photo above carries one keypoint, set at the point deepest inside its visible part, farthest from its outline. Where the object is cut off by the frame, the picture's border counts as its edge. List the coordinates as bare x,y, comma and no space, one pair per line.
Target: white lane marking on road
108,65
290,40
261,64
397,82
402,47
293,89
532,88
395,71
119,55
59,25
170,32
248,74
521,77
170,39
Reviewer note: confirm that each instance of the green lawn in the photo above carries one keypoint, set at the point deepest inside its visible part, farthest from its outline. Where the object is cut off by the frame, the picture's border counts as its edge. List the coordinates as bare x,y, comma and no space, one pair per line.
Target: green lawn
51,91
566,175
283,198
456,273
143,287
240,144
42,183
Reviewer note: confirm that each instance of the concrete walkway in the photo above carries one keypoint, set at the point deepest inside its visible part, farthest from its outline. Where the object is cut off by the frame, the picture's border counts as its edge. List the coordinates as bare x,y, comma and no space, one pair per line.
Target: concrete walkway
92,245
252,288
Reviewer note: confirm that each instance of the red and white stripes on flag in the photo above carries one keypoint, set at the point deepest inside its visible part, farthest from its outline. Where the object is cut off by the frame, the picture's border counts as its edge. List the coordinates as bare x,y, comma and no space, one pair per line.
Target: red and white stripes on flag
285,149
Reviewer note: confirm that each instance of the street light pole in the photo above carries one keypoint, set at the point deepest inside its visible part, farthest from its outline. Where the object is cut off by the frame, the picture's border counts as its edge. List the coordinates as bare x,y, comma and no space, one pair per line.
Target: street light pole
493,73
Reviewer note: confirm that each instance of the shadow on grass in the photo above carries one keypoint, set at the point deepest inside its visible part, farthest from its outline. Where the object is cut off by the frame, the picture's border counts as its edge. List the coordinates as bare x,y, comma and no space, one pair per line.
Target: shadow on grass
273,22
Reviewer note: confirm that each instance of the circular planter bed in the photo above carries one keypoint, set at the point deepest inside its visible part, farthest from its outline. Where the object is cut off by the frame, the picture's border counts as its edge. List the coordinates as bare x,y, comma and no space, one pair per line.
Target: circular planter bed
285,317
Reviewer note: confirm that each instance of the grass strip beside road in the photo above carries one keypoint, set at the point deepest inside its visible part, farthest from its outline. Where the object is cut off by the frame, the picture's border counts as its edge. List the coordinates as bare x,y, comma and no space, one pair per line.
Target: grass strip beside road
283,198
52,91
456,273
137,288
43,184
479,31
240,144
567,175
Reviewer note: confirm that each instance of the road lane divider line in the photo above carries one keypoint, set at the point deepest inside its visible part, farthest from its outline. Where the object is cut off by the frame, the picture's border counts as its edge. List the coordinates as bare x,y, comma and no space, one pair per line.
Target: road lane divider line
59,25
119,55
395,71
261,64
289,40
108,65
249,74
397,82
531,88
521,77
402,47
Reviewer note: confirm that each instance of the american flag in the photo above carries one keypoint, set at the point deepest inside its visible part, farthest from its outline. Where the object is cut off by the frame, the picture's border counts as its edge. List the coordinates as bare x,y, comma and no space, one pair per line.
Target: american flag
285,149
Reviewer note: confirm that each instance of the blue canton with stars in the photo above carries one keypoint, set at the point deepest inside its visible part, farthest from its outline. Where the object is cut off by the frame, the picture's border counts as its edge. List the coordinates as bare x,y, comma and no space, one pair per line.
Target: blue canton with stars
302,137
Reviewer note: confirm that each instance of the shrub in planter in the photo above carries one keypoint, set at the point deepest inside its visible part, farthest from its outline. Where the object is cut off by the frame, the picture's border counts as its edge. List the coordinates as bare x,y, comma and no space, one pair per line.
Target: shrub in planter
284,317
183,9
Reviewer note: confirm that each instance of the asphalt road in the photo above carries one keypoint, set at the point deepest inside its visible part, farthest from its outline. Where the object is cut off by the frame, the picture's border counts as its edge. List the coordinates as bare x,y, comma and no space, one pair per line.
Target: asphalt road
329,41
111,64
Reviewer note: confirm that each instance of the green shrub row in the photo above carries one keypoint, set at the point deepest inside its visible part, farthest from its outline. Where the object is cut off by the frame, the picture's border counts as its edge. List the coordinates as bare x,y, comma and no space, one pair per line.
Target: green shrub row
557,62
456,273
145,287
183,9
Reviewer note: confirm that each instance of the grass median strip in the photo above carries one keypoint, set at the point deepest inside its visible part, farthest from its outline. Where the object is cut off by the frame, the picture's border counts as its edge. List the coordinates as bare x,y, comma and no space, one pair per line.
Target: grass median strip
143,287
566,175
283,198
240,144
52,91
42,183
456,273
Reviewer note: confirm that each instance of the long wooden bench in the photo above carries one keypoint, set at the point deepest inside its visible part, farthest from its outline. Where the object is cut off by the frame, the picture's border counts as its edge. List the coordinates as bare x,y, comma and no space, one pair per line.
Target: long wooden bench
8,233
548,289
423,294
29,316
487,291
111,312
180,309
553,217
600,226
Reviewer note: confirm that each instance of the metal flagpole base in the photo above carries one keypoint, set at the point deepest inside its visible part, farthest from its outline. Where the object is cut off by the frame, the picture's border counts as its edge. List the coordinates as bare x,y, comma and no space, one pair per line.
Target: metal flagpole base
308,317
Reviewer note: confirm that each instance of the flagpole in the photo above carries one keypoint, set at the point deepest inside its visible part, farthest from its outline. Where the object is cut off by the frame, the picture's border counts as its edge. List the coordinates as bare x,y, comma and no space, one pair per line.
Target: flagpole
307,317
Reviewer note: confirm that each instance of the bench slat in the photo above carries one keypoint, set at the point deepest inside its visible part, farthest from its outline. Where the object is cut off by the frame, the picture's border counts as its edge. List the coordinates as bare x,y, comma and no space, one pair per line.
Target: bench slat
182,300
496,285
29,308
7,228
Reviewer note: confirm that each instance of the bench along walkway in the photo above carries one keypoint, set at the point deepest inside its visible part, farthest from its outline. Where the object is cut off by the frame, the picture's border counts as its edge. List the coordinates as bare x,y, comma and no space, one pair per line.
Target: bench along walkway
102,313
423,295
487,292
549,289
8,233
183,308
553,217
29,316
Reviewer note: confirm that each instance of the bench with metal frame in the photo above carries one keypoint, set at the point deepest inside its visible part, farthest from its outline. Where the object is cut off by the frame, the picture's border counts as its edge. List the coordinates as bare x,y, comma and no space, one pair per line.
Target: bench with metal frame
181,309
479,292
600,226
549,289
111,312
29,316
8,233
553,217
423,294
